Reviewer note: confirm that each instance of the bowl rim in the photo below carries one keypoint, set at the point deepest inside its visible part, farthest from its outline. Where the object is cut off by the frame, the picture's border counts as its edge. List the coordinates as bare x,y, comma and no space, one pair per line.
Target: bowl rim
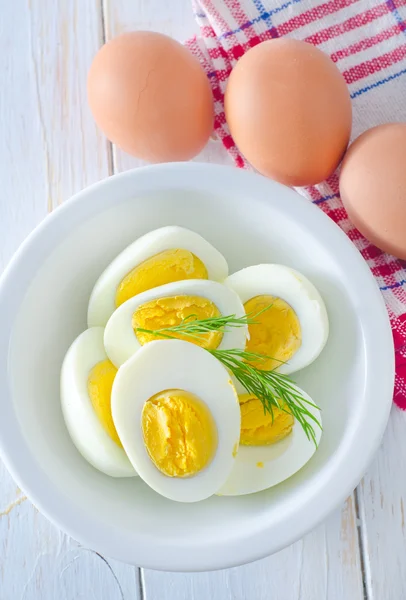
346,468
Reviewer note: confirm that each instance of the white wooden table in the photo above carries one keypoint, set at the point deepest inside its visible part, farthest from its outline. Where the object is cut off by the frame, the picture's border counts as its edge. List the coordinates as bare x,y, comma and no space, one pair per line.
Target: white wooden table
50,149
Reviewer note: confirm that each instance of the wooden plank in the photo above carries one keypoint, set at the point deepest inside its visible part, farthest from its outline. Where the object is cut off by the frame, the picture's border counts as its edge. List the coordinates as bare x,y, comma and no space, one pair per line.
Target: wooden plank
49,149
382,502
326,563
38,562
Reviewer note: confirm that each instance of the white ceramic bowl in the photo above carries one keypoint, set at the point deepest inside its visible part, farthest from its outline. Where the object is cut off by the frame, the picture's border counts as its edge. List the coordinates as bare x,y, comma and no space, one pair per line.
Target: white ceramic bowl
43,301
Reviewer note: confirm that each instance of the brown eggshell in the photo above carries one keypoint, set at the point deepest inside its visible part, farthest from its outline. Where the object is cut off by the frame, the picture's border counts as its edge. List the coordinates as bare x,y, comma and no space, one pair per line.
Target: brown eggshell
151,97
373,186
289,111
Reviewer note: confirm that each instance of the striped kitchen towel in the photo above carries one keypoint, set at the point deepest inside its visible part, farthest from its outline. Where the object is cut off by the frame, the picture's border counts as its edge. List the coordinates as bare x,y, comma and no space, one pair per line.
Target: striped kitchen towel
367,41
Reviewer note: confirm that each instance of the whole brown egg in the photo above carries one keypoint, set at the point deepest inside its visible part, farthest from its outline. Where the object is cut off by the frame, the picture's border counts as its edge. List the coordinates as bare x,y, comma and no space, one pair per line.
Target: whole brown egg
151,97
289,111
373,186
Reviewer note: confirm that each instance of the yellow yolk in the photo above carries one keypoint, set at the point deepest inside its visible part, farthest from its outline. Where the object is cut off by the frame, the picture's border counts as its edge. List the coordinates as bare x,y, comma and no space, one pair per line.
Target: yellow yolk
276,334
167,312
179,433
259,428
165,267
99,384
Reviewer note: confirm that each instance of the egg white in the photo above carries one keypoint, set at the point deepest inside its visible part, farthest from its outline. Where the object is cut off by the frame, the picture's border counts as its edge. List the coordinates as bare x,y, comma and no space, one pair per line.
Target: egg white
280,460
121,342
295,289
102,299
84,427
175,364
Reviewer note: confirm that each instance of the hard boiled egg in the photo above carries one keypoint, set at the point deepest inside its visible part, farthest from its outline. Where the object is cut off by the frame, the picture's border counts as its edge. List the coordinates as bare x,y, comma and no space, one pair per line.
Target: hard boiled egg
151,97
159,257
86,380
270,450
167,306
179,424
289,111
373,186
291,318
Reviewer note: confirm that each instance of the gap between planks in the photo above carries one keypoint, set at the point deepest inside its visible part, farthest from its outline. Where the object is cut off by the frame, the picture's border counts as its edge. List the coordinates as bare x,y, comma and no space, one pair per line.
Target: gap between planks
111,163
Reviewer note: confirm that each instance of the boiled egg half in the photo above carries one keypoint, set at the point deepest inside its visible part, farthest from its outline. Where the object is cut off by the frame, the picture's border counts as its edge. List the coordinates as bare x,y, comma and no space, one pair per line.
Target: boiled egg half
161,256
168,306
86,381
179,424
272,447
291,323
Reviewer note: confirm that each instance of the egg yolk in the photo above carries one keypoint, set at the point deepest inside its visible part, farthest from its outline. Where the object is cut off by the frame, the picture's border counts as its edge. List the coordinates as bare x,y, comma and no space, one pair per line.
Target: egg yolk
167,312
179,433
99,384
259,428
165,267
276,333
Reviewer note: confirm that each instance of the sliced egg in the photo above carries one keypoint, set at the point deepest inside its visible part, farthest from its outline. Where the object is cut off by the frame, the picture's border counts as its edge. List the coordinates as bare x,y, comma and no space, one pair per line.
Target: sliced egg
178,417
269,452
168,306
291,319
86,380
162,256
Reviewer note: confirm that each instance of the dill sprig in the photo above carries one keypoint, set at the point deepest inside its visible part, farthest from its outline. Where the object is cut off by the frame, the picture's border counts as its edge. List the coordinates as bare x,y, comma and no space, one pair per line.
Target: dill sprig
273,389
194,328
